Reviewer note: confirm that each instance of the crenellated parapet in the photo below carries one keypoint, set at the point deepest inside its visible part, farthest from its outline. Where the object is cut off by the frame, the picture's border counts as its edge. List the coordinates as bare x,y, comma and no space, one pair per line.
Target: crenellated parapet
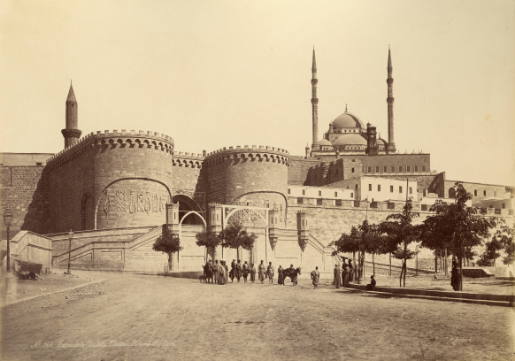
109,139
188,160
248,153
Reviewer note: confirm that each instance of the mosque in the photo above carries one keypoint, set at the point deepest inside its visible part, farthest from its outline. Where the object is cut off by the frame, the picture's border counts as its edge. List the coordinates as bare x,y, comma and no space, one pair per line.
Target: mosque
103,199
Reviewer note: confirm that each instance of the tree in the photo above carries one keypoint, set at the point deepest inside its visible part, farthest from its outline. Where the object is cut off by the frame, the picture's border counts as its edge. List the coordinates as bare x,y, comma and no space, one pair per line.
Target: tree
459,227
501,242
236,236
401,232
210,240
361,239
168,243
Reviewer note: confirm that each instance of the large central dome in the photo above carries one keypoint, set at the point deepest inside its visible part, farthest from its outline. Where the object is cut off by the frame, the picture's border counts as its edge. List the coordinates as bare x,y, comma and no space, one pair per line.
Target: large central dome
346,120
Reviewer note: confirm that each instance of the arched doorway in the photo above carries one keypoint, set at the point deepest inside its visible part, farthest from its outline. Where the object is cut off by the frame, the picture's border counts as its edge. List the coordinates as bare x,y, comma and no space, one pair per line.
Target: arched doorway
452,192
86,212
186,205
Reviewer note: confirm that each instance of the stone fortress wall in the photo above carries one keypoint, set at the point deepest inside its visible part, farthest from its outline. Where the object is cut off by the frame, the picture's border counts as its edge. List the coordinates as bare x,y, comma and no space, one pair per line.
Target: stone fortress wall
110,179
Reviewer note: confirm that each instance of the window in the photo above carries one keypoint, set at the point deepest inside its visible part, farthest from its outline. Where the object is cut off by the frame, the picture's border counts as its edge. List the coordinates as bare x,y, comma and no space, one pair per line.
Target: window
416,168
400,189
354,160
400,168
424,192
369,169
391,189
39,163
300,200
423,168
336,194
410,190
373,204
338,202
379,188
408,169
484,193
352,170
475,192
391,205
385,169
289,191
356,186
370,187
319,202
377,169
393,169
320,193
504,205
352,196
423,207
303,192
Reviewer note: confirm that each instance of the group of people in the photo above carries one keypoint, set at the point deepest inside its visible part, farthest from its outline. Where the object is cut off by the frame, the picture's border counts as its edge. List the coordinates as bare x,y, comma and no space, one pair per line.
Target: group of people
218,272
343,274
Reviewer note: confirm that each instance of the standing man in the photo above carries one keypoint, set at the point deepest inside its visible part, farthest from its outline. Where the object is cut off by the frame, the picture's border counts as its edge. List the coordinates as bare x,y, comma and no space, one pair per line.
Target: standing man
280,276
238,270
345,274
315,277
252,272
337,275
261,272
270,273
351,271
245,271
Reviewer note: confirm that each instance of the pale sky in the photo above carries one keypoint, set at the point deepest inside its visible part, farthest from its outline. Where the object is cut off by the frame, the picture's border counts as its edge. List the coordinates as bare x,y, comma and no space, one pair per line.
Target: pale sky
219,73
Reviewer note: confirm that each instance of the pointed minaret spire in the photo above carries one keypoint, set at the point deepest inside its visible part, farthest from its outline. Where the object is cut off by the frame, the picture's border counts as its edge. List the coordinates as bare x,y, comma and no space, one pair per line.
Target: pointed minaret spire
314,101
390,147
71,133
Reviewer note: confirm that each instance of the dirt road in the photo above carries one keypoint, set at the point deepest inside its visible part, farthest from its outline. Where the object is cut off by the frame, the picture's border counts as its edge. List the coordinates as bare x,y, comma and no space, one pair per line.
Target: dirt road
138,317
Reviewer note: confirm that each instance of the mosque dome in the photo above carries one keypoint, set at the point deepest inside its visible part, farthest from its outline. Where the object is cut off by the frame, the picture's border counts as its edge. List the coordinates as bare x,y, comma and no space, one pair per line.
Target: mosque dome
349,139
346,120
324,142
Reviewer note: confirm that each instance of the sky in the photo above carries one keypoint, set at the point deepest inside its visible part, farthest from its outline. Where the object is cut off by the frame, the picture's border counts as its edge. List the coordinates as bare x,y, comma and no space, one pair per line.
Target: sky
218,73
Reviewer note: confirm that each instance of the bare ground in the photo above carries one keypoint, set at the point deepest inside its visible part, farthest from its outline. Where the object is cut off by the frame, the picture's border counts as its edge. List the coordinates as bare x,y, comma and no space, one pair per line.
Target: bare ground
136,317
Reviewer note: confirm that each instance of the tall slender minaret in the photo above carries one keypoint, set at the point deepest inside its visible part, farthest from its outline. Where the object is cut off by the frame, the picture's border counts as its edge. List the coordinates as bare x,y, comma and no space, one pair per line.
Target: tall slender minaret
314,101
390,147
71,133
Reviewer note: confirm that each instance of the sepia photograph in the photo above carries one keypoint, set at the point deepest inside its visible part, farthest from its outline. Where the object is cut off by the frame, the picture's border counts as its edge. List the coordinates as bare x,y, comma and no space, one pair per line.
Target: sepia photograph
257,180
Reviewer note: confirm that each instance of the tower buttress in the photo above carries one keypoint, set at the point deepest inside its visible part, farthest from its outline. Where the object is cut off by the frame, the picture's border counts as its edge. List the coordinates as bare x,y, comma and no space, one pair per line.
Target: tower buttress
314,102
390,147
71,133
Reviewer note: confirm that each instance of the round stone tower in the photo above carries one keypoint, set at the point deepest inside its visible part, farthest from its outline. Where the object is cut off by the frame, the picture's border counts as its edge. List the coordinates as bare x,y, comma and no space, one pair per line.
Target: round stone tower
248,175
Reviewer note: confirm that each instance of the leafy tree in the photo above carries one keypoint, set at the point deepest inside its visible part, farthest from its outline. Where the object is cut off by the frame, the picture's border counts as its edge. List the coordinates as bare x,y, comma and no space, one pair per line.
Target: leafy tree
361,239
501,241
459,226
168,243
236,236
210,240
401,232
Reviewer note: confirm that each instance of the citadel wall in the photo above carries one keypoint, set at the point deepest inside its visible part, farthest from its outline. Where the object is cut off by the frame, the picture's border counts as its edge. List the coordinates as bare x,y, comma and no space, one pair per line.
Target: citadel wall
111,179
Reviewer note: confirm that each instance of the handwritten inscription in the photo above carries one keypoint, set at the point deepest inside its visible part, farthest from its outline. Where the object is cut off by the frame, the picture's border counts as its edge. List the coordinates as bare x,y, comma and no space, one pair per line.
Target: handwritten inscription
130,201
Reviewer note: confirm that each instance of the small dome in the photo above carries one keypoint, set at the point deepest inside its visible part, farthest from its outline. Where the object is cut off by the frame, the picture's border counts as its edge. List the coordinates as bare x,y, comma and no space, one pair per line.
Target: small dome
346,120
324,142
350,139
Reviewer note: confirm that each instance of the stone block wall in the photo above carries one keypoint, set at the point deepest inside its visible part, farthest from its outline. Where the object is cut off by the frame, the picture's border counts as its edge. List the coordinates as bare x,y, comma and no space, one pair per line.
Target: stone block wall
24,193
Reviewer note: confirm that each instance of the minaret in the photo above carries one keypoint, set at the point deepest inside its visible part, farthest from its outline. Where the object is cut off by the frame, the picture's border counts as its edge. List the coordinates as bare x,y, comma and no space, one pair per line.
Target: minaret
71,133
314,101
390,147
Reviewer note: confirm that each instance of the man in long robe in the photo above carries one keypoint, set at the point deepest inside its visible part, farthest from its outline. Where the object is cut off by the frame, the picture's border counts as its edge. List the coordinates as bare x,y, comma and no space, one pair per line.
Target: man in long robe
337,276
261,272
315,277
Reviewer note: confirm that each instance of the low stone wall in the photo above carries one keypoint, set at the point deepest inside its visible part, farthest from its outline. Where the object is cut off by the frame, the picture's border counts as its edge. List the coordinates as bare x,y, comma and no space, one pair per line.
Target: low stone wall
32,247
